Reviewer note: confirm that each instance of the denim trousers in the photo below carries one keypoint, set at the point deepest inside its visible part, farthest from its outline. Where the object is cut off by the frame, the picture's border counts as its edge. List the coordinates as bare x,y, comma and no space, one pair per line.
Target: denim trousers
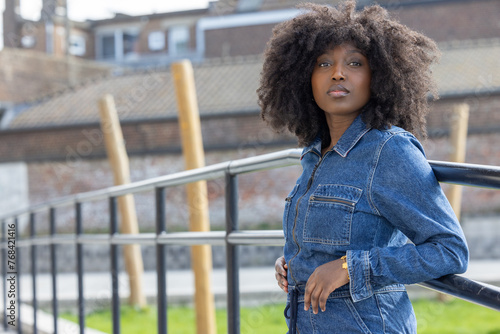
382,313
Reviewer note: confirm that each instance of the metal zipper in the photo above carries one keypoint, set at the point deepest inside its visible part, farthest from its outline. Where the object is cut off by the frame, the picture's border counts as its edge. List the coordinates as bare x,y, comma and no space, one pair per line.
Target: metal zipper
329,199
309,183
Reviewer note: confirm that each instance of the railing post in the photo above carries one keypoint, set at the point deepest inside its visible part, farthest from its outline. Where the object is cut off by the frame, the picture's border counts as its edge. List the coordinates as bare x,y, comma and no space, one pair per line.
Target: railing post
79,267
160,262
18,281
113,229
232,258
4,274
53,261
33,271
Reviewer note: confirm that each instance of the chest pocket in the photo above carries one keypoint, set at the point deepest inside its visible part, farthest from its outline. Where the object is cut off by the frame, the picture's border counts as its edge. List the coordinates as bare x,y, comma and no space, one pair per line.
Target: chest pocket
329,214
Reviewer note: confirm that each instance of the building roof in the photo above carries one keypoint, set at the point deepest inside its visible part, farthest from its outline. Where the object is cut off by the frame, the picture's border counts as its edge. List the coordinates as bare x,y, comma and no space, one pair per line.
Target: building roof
221,87
125,18
469,68
230,86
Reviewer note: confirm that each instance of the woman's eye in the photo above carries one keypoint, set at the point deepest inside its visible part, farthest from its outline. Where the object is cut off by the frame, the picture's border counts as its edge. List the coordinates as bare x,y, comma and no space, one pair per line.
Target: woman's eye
323,64
354,63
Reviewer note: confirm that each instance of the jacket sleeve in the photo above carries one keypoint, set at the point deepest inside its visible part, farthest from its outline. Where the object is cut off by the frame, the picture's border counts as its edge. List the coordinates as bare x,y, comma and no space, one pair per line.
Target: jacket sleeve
404,191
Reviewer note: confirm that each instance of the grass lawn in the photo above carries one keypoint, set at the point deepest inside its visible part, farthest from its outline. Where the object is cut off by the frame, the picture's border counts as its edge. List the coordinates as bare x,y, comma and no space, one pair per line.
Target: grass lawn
434,317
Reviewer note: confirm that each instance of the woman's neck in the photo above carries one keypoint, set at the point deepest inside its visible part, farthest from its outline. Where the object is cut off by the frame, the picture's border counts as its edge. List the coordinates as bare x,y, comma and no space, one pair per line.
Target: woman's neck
337,127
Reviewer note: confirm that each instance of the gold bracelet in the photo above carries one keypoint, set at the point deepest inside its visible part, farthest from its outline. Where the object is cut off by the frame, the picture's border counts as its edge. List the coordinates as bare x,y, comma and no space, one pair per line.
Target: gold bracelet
344,266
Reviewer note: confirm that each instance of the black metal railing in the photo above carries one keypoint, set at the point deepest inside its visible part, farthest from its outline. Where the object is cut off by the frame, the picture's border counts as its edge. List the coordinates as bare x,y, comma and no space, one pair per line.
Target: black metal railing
231,238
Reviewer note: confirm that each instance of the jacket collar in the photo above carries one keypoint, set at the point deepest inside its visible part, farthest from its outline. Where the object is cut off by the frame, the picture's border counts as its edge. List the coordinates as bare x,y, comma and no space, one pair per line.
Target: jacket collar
346,143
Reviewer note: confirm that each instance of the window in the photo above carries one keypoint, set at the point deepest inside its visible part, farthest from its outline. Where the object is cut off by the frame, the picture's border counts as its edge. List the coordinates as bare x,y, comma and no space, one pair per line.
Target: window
118,44
60,11
28,41
5,117
178,40
129,42
156,41
108,46
77,45
249,5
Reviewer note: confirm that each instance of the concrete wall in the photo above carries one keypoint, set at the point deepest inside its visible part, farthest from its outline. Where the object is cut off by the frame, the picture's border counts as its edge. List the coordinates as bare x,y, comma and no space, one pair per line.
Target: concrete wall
27,75
14,188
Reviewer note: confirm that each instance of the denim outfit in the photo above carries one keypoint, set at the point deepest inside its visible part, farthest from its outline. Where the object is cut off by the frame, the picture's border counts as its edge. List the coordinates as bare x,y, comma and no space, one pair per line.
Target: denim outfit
374,198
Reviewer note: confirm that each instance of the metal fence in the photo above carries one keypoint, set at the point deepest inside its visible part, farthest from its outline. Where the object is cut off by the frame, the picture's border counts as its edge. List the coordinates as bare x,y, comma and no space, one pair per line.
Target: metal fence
231,238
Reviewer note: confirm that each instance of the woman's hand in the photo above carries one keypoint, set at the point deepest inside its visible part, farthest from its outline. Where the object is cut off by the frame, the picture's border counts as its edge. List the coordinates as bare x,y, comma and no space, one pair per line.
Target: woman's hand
323,281
281,271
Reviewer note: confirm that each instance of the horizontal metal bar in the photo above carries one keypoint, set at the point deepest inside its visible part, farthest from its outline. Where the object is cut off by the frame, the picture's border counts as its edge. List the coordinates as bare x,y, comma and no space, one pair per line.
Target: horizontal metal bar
216,238
257,237
464,288
271,160
138,239
205,173
171,180
102,239
267,161
467,174
60,239
34,241
94,239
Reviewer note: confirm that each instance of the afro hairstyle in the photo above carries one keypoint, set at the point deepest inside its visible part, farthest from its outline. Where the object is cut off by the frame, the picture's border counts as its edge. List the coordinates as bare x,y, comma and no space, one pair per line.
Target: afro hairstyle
400,60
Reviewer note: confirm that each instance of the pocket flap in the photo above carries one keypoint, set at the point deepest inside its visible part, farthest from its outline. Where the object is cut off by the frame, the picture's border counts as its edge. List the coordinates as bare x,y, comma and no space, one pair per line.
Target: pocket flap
338,191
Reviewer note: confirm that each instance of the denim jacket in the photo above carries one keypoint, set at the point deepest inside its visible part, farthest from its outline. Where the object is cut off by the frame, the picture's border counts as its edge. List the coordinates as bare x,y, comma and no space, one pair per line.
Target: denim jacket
374,198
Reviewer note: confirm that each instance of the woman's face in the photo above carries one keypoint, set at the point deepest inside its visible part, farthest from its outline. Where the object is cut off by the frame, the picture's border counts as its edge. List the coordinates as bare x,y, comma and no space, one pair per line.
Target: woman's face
341,81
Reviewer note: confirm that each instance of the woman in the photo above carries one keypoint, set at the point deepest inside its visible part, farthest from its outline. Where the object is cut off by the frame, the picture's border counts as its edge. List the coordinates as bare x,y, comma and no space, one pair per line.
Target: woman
367,215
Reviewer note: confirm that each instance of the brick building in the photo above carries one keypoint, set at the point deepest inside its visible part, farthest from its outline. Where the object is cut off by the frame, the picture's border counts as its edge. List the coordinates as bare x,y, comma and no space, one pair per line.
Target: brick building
123,40
442,20
59,145
226,28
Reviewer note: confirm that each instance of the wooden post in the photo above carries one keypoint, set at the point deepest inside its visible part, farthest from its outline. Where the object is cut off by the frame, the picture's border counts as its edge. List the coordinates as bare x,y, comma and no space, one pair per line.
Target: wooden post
117,155
192,147
458,141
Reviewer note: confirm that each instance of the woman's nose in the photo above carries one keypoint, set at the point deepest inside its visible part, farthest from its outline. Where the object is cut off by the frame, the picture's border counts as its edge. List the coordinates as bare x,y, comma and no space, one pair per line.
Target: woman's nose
338,73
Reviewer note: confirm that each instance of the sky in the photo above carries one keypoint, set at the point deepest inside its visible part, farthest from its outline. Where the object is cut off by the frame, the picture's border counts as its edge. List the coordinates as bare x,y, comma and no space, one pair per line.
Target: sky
80,10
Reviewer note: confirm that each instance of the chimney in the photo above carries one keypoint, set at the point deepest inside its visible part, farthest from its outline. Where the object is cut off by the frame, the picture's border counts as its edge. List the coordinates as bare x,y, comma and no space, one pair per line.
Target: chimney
52,8
13,6
11,18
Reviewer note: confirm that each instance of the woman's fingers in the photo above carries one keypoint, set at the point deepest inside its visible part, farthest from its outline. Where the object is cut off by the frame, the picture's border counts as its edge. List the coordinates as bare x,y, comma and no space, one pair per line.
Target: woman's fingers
281,273
309,296
322,300
282,282
315,298
324,280
280,266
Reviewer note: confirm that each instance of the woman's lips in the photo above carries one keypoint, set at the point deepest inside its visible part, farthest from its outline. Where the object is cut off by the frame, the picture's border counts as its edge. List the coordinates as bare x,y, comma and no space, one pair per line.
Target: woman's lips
338,91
